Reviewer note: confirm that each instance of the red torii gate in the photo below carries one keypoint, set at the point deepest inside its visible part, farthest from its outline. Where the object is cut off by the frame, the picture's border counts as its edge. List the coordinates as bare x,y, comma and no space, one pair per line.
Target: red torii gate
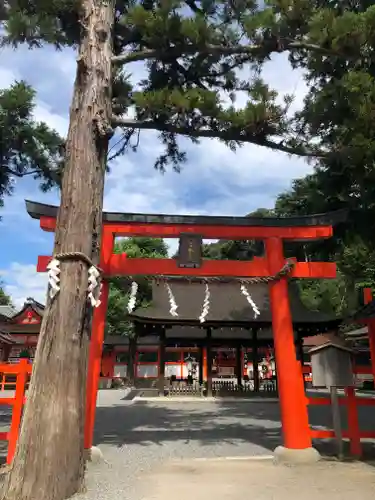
272,230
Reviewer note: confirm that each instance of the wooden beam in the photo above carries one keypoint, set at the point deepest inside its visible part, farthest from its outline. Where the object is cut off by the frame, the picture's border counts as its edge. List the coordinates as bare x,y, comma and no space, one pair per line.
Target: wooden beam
239,369
254,355
209,361
48,224
155,230
120,265
161,374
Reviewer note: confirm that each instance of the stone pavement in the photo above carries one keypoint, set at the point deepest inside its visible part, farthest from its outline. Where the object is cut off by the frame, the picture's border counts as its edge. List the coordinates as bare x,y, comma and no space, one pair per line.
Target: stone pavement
258,480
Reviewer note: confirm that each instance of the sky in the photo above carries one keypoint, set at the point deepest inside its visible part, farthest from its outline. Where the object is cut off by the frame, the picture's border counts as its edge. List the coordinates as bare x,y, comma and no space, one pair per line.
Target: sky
214,181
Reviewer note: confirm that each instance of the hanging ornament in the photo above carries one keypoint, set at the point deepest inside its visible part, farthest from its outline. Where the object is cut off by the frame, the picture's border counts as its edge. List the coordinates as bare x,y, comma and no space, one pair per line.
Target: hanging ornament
133,297
245,292
53,277
172,301
95,287
206,304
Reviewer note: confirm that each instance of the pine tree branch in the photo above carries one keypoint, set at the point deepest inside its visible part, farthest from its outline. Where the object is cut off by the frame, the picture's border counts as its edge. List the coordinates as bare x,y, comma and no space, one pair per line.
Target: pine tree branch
224,135
193,6
10,171
277,45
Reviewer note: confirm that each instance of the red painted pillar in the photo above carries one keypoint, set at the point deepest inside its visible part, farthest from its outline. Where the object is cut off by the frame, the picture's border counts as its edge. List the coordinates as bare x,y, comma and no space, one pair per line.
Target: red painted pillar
293,401
182,363
17,409
353,423
371,331
205,364
96,343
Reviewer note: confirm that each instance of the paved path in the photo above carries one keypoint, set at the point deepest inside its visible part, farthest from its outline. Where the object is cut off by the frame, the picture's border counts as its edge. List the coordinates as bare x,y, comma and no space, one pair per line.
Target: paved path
142,440
222,480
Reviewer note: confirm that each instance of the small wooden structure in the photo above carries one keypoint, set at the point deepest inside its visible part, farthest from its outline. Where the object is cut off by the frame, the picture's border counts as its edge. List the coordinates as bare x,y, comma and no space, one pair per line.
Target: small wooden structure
332,368
332,365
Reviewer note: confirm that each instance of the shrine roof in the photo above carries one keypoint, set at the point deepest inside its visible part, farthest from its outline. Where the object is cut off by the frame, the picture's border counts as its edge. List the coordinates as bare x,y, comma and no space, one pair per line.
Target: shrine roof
38,210
30,304
29,315
365,312
122,340
7,311
7,339
228,306
321,339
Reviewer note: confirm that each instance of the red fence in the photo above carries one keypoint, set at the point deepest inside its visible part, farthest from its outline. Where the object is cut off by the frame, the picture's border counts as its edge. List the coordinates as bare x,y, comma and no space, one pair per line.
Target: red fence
353,433
22,371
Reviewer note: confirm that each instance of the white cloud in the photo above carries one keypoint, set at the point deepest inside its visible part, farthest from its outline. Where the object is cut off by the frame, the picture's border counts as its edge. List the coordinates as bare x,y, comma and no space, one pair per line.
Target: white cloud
7,77
134,186
22,281
43,113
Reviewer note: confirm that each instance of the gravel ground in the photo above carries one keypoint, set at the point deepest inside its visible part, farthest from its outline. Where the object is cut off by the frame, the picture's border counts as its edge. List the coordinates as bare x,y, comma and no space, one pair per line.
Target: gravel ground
136,437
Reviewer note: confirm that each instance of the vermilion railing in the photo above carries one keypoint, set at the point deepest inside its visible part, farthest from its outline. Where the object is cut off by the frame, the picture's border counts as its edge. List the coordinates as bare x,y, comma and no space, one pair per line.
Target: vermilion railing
353,433
22,371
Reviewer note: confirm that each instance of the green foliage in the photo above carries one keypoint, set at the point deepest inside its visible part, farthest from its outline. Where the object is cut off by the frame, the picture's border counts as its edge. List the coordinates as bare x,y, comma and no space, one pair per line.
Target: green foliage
26,146
351,246
194,52
329,296
25,354
237,250
117,322
5,299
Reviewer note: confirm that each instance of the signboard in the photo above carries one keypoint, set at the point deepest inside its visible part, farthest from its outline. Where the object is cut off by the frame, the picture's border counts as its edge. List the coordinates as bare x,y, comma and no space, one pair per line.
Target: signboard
226,371
190,251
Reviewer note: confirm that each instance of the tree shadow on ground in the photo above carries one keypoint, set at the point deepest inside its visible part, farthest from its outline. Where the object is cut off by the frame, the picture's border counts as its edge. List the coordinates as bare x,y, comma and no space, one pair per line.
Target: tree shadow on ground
221,422
145,423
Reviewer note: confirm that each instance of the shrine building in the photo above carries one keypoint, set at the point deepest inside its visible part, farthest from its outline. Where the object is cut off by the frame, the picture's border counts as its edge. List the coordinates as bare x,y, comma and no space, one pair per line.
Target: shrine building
231,349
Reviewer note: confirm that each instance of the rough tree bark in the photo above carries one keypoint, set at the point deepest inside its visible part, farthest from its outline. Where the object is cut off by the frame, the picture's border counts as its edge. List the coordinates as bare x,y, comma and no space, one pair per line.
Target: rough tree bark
49,460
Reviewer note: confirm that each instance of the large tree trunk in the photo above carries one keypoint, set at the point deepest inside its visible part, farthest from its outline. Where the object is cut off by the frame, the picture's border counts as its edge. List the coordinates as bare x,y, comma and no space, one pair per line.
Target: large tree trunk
49,460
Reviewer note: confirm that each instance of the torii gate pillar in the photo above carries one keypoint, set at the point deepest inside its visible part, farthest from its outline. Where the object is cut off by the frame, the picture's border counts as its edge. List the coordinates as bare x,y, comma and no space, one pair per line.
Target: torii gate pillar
96,342
293,401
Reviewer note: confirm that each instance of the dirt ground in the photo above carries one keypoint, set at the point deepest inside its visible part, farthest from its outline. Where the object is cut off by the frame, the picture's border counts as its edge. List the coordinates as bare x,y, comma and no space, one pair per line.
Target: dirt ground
259,480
